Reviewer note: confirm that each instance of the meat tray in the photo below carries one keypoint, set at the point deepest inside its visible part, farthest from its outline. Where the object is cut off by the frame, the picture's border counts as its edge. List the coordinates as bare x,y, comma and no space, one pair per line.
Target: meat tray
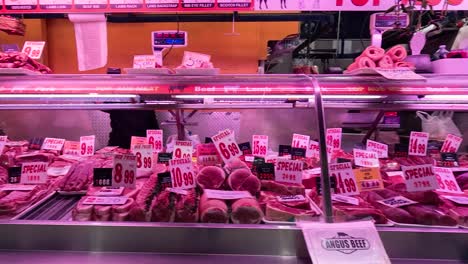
17,71
313,206
425,226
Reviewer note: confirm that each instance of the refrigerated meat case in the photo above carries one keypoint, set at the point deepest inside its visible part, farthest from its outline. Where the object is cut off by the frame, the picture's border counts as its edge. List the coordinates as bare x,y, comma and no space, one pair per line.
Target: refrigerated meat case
319,96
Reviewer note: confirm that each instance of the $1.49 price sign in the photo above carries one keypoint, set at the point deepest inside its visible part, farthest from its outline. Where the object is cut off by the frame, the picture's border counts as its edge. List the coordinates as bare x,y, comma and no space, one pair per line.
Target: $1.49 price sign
87,145
33,49
183,149
333,139
182,175
300,141
124,171
260,145
226,145
155,139
451,144
418,143
144,157
446,180
345,180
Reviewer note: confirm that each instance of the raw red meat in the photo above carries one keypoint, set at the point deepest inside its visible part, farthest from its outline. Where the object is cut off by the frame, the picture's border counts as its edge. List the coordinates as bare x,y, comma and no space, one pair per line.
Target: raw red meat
246,211
213,210
81,177
162,207
276,211
244,180
282,188
186,209
353,213
211,177
235,164
82,212
398,215
35,157
428,215
3,175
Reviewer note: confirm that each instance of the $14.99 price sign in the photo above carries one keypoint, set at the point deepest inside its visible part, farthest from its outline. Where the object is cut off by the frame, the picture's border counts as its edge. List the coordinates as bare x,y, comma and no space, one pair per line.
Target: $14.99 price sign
333,139
182,175
183,149
260,145
446,180
155,139
345,180
418,143
87,145
33,49
226,145
451,144
124,171
300,141
144,157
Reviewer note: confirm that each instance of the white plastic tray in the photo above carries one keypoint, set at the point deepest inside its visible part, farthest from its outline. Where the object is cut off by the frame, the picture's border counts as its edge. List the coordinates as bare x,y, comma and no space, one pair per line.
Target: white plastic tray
201,71
425,226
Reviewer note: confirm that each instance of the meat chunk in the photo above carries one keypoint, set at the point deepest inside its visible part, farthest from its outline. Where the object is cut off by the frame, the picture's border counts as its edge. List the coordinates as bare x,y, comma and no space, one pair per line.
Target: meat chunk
282,188
162,207
211,177
213,210
186,209
244,180
246,211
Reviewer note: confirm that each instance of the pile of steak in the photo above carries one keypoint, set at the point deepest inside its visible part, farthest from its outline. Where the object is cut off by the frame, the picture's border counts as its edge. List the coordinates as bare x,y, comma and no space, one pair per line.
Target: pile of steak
21,60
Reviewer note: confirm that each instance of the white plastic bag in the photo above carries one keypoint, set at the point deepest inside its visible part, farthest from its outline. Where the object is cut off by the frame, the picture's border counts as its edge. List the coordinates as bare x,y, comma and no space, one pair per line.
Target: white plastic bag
439,124
170,142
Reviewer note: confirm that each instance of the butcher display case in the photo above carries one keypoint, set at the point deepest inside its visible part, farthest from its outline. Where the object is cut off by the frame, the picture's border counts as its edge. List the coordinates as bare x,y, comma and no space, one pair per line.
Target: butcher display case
195,108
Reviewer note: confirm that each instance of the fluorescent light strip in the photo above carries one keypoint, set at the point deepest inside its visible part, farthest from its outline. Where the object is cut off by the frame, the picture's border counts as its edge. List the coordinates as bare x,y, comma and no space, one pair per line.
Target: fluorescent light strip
356,96
45,96
286,96
460,97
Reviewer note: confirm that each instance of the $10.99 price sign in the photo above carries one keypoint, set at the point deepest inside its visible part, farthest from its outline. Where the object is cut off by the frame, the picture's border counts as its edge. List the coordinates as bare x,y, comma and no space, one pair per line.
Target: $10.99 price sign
124,171
418,143
333,139
345,180
87,145
155,139
183,149
33,49
226,145
288,171
446,180
451,144
300,141
182,175
144,157
260,145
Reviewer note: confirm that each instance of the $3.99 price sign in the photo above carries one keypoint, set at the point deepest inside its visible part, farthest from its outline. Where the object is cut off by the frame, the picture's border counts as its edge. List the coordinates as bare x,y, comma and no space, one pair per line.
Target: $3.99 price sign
144,157
124,171
333,139
226,145
33,49
182,175
451,144
155,139
418,143
345,180
183,149
260,145
87,145
300,141
446,180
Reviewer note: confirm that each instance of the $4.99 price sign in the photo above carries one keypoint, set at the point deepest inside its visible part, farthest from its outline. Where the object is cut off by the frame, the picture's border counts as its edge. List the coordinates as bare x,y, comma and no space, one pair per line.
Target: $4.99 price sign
260,145
183,149
446,180
418,143
288,171
333,139
33,49
87,145
345,180
226,145
451,144
144,157
182,175
155,139
300,141
124,171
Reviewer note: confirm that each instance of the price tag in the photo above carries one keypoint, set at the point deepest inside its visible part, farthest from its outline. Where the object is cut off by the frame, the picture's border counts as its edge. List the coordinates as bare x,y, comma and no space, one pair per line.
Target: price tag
265,171
71,148
226,145
164,158
183,149
53,144
368,179
260,145
333,140
155,139
290,198
289,171
397,201
227,195
58,171
380,148
103,200
87,145
446,180
458,199
300,141
17,187
182,175
109,191
14,175
365,158
345,199
124,171
144,61
207,155
420,178
3,140
313,151
136,141
34,172
451,144
144,157
194,59
33,49
350,243
284,150
418,143
298,153
102,177
399,74
245,148
177,191
346,182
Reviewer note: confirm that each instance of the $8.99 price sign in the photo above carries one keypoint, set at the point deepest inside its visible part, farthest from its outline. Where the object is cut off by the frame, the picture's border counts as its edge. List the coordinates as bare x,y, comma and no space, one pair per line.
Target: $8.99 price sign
182,175
33,49
333,139
183,149
260,145
345,180
300,141
124,171
144,157
87,145
418,143
446,180
155,139
451,144
226,145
